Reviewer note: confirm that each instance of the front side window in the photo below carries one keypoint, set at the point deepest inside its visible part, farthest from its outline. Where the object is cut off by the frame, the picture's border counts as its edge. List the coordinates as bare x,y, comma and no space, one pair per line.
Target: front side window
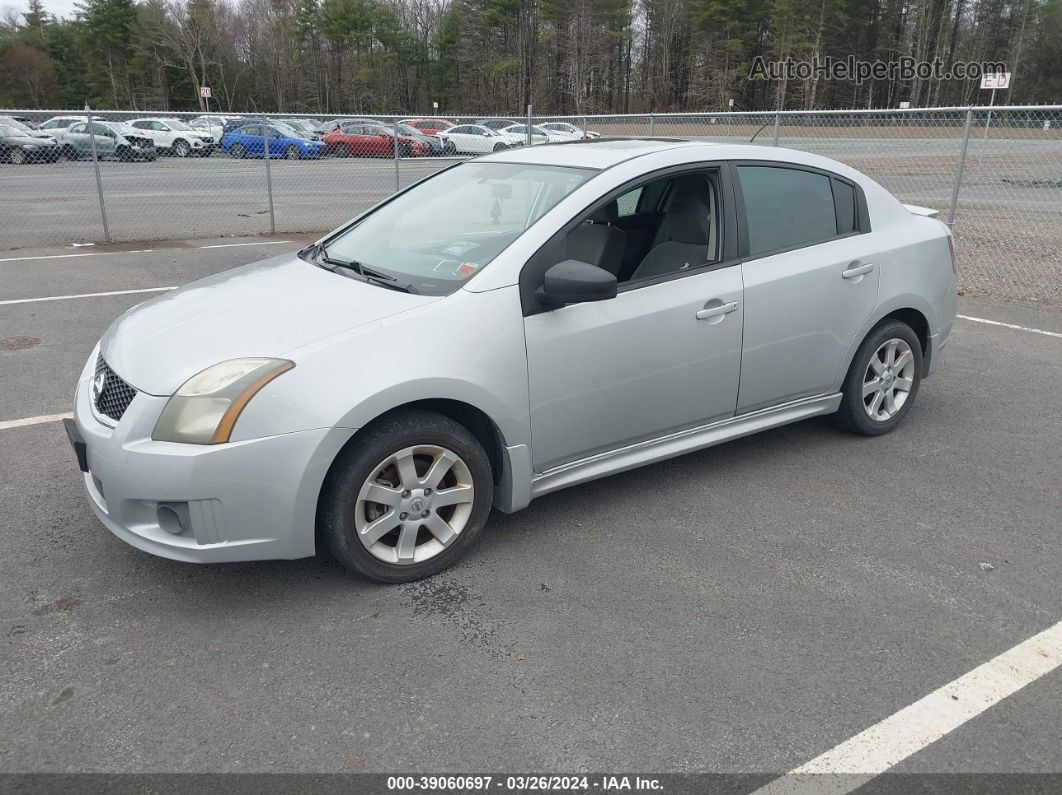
418,238
786,207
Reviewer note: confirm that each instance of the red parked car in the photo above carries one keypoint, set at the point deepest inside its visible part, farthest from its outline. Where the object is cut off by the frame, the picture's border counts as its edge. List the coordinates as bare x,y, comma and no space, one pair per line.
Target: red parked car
429,126
364,140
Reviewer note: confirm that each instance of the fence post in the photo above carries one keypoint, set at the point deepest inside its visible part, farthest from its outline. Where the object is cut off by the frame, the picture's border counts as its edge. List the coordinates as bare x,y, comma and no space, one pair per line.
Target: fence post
777,124
586,126
529,125
99,182
652,125
269,178
398,182
959,168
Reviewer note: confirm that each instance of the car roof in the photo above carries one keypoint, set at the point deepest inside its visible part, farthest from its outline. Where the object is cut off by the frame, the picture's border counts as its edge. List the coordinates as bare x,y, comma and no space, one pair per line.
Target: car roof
604,153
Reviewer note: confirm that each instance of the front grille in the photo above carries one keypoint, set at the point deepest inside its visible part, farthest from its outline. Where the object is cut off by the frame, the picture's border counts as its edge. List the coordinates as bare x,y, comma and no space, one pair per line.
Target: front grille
110,394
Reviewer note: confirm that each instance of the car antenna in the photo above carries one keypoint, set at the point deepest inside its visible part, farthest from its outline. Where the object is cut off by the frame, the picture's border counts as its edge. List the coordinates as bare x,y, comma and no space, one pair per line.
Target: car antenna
762,128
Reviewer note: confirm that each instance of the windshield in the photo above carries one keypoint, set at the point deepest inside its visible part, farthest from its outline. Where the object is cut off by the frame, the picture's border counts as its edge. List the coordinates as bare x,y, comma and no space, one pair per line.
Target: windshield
422,238
15,123
174,124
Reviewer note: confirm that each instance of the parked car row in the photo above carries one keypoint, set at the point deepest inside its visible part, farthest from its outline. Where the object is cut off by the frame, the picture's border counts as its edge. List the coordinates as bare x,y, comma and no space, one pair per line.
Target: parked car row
74,137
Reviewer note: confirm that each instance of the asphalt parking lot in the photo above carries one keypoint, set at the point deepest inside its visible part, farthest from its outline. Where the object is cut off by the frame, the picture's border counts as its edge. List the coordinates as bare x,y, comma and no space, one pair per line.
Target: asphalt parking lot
743,609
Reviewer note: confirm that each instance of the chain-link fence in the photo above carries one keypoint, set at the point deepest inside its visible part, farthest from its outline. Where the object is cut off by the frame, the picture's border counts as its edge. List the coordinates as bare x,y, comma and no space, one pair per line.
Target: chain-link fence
994,173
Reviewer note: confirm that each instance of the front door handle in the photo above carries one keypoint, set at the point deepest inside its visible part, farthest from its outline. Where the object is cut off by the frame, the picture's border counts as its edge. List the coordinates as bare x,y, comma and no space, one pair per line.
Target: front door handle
716,311
856,270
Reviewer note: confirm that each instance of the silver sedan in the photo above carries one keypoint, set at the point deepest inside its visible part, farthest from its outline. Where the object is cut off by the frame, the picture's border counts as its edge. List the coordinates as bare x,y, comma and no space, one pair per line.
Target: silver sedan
517,324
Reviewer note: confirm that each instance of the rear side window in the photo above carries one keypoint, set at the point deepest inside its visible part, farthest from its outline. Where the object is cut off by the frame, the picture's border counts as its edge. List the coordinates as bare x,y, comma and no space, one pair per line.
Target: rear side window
786,207
627,204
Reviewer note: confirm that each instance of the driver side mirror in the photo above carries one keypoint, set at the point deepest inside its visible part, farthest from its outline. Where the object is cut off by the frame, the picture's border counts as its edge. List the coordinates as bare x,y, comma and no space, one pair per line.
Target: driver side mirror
575,282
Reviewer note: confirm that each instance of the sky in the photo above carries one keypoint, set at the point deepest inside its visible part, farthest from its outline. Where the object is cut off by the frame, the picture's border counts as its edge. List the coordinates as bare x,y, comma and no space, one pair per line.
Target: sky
57,8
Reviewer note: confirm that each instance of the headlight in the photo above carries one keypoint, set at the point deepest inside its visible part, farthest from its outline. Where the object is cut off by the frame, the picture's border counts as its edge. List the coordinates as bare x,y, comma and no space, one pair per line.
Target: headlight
205,409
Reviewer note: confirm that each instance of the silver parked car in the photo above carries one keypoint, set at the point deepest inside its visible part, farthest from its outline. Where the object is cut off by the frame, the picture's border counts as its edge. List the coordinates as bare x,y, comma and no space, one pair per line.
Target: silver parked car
516,324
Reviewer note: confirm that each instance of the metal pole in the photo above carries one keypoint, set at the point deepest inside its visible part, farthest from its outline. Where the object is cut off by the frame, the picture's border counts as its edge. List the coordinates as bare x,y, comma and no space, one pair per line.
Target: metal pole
269,179
984,138
777,124
398,183
529,125
99,182
652,125
958,169
586,126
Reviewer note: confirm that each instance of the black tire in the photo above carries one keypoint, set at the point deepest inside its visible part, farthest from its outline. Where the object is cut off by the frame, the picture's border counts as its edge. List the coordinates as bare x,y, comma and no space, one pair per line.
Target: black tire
181,148
394,432
853,415
238,151
499,146
292,153
68,153
124,154
450,148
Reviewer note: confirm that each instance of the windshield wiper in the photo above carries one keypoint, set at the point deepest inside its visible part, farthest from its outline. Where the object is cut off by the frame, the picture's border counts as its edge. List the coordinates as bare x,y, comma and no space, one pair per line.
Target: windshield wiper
366,274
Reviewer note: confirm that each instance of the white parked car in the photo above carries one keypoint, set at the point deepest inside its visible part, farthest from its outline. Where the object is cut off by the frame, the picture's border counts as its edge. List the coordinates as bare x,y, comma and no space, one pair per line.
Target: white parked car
539,135
57,126
176,137
474,139
213,124
603,305
570,131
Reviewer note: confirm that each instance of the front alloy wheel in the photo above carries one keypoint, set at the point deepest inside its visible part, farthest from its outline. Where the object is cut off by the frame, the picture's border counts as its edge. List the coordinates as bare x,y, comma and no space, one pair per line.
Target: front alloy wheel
407,498
16,156
414,504
181,148
292,153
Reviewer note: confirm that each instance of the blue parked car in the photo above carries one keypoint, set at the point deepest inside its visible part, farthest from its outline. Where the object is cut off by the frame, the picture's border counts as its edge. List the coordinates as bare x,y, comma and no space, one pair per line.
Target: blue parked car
249,141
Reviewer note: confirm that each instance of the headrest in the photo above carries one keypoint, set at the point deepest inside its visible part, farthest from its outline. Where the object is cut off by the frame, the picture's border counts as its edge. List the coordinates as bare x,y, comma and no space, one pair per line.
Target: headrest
687,221
606,214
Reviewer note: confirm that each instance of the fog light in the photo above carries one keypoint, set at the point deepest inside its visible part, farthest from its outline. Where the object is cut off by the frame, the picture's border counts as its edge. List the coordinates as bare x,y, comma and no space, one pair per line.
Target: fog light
171,520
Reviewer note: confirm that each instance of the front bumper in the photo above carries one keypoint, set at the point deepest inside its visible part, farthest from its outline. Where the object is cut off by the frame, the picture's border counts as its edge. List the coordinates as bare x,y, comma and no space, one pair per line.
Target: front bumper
249,500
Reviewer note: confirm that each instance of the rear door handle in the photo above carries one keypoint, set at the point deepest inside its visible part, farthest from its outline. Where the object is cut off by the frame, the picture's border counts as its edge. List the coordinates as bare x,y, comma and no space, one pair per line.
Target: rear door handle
717,311
857,270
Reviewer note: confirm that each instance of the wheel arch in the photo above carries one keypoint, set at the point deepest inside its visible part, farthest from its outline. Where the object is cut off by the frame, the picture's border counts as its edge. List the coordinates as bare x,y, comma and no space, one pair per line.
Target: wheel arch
507,467
909,309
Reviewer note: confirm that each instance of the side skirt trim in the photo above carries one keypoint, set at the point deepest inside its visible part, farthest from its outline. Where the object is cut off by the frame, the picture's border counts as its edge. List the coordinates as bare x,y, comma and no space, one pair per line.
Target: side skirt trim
679,443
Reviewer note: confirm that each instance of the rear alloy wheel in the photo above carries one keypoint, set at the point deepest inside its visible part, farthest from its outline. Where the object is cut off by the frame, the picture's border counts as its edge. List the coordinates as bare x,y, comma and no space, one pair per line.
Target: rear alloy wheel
883,380
238,151
499,146
181,148
292,153
408,499
17,156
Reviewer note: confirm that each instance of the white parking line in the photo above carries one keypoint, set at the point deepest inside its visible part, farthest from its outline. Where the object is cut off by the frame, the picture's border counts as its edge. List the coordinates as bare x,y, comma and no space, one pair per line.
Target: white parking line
885,744
143,251
5,424
1011,325
84,295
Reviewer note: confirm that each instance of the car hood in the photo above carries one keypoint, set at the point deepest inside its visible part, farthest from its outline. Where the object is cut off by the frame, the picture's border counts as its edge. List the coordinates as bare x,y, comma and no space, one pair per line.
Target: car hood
23,140
265,309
